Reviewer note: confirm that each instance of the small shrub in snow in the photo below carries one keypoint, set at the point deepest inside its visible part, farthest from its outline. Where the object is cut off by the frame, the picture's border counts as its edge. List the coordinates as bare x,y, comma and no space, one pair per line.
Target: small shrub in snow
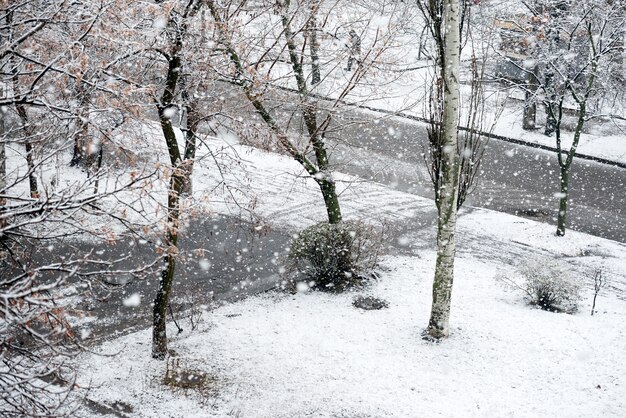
177,377
334,256
599,282
547,284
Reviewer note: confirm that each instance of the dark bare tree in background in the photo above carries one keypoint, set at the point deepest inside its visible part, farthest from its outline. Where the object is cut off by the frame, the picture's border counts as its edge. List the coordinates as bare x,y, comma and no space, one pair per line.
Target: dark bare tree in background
574,67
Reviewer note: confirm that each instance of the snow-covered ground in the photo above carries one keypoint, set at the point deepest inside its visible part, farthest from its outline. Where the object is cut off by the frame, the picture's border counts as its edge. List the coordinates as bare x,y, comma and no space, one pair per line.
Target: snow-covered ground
314,354
602,137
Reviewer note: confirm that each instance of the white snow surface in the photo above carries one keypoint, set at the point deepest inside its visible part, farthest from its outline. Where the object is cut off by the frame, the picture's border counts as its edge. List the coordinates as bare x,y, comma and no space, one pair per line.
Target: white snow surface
315,354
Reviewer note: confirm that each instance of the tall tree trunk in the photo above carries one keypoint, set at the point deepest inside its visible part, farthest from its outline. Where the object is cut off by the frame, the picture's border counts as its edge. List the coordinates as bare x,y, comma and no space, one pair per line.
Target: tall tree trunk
313,42
323,177
161,301
95,168
81,139
563,198
177,180
530,103
565,166
3,174
190,130
549,104
447,208
581,100
30,164
26,128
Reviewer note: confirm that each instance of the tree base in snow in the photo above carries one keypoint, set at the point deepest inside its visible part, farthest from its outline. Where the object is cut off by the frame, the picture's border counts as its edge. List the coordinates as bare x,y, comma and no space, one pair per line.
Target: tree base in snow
433,335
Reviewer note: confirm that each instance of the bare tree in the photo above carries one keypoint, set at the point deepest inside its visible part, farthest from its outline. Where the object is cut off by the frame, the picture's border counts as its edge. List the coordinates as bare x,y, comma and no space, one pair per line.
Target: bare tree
574,51
582,42
273,67
167,41
37,105
446,30
176,32
600,34
599,282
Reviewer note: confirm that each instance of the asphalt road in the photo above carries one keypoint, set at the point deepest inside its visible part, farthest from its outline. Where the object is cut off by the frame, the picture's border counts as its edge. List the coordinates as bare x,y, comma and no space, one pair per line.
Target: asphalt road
514,178
221,259
224,258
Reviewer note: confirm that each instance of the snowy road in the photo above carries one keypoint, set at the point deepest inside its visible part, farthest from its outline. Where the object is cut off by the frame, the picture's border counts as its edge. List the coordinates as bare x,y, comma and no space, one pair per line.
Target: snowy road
515,179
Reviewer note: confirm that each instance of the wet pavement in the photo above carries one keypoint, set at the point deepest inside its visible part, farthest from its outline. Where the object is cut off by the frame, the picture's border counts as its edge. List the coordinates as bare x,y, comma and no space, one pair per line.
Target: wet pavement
515,179
221,259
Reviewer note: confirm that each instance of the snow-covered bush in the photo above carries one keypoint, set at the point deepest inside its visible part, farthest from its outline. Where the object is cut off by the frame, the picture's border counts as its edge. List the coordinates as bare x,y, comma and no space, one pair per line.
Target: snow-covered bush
547,284
334,256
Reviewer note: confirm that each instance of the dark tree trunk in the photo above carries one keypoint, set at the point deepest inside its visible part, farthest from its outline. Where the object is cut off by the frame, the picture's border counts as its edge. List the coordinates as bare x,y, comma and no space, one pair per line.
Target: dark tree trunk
81,139
96,168
3,174
331,200
552,123
177,180
26,128
32,179
529,121
313,43
564,181
161,301
566,165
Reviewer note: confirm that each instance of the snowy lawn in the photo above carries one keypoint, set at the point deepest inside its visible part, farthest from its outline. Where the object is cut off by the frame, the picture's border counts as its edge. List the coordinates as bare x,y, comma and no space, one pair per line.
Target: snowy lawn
314,354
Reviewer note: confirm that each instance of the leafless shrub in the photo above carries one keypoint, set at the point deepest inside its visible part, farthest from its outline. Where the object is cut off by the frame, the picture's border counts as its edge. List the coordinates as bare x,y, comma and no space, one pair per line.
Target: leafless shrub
191,307
546,284
599,282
